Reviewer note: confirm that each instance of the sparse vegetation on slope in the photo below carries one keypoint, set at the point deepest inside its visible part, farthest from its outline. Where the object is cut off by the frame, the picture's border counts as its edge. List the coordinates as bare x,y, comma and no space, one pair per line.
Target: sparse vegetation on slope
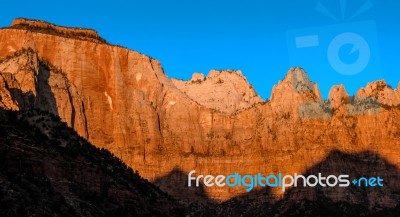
53,31
46,169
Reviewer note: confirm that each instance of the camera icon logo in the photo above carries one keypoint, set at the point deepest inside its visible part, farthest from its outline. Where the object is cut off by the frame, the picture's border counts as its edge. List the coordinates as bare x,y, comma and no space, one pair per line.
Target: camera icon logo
345,49
359,45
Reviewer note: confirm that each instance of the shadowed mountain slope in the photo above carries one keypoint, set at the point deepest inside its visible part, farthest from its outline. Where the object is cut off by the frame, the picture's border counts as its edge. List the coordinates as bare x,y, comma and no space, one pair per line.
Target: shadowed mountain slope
122,101
46,169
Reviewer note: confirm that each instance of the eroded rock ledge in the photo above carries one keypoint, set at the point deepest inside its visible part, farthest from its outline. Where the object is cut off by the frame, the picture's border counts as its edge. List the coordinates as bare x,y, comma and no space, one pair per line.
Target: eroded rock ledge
48,28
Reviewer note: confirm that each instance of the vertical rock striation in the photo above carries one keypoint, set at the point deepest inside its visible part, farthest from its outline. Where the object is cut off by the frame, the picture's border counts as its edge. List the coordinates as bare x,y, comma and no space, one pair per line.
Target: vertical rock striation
121,100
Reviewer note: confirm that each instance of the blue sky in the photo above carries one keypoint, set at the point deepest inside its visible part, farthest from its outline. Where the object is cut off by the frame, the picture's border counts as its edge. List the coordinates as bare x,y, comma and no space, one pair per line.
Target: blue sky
261,38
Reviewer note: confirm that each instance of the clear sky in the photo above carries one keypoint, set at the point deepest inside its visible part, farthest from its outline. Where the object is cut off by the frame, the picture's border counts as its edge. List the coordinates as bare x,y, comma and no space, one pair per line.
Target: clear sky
335,41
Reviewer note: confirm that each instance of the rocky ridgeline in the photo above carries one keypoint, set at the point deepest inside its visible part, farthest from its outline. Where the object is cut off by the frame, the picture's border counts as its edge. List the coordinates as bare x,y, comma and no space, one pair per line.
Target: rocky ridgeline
226,90
122,101
48,28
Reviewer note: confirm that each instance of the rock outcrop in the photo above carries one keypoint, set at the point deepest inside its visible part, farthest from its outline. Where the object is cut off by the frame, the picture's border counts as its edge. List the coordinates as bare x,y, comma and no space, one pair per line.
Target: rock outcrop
382,92
48,28
227,91
121,100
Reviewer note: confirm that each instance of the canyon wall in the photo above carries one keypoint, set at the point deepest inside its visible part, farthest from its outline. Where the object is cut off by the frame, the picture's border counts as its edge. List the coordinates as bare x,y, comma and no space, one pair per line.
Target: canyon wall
122,100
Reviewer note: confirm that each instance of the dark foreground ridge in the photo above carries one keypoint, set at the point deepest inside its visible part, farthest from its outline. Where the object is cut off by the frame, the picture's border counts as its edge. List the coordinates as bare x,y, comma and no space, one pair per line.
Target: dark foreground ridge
46,169
311,202
339,202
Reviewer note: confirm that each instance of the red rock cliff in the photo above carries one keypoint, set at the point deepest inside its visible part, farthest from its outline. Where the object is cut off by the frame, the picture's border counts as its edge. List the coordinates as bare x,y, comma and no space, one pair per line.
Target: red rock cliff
121,100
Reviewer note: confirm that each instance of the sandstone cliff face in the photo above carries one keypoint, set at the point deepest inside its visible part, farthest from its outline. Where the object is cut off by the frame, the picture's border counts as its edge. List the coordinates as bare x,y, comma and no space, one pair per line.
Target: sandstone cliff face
121,100
29,83
226,91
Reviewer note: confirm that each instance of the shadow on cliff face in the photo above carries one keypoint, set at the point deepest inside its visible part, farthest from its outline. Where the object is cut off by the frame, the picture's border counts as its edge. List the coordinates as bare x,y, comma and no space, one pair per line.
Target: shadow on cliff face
44,98
344,201
365,164
313,201
176,182
25,101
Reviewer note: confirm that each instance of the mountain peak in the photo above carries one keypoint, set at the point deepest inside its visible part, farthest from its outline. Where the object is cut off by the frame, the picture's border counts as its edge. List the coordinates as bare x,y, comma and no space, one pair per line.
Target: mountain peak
338,96
381,91
294,90
299,80
296,81
227,91
122,101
